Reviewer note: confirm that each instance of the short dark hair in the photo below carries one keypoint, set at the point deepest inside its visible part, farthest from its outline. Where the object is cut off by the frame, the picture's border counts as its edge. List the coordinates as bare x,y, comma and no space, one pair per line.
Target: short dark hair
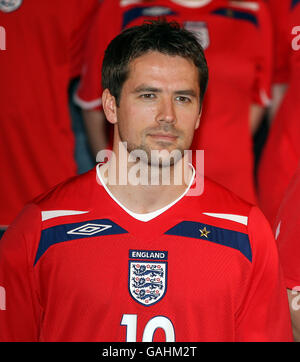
155,35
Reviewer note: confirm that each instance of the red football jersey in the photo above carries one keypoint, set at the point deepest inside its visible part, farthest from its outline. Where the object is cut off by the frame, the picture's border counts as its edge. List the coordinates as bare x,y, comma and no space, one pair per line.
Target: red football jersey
44,47
76,266
282,150
236,37
287,233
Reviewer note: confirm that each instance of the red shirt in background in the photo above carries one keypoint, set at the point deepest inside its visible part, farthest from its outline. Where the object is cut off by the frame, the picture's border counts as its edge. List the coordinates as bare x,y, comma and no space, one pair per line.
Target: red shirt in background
282,150
287,233
44,46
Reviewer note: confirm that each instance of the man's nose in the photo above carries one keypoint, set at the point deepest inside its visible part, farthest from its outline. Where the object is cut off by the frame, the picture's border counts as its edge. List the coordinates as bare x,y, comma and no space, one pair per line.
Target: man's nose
166,111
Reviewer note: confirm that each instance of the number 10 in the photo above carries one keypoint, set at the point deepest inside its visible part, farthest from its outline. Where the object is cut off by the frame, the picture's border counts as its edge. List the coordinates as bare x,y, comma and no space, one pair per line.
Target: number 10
130,321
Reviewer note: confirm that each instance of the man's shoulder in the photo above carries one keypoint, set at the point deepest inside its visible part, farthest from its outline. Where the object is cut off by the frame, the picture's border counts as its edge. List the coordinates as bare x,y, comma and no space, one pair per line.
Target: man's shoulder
72,192
226,211
218,206
220,217
217,196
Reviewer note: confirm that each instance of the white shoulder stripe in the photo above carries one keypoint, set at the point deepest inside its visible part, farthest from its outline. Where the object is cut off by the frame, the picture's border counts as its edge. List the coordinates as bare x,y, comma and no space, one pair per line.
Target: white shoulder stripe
237,218
250,5
129,2
192,4
46,215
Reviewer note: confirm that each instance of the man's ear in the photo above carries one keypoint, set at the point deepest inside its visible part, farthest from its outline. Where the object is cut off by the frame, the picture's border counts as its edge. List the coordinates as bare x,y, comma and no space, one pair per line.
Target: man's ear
198,119
109,106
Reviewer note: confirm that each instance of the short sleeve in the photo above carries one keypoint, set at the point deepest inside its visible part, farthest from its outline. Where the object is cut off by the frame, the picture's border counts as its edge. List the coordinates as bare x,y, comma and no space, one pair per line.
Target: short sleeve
83,13
279,11
20,310
264,58
264,312
106,25
287,233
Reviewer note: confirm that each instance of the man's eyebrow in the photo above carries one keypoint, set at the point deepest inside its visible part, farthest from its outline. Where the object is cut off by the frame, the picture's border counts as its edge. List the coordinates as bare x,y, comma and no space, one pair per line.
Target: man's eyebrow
145,88
186,92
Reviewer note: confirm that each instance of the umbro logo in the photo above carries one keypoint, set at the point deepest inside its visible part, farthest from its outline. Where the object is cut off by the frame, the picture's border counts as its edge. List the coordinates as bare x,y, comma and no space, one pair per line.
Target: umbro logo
89,229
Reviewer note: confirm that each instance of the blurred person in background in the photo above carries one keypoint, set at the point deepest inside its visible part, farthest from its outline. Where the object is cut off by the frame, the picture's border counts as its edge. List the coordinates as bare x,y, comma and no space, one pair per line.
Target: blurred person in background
281,153
236,36
287,234
44,47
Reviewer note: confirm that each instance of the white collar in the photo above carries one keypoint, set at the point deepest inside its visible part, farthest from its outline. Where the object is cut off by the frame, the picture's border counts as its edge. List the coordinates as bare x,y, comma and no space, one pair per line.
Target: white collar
150,215
192,3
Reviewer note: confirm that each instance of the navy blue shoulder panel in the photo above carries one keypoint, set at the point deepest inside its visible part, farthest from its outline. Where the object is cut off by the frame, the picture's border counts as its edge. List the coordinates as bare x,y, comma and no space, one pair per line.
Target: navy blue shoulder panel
142,11
66,232
230,238
237,14
294,3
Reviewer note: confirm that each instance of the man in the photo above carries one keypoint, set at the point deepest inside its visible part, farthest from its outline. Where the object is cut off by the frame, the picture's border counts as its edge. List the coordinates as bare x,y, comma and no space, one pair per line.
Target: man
236,36
44,49
287,234
99,260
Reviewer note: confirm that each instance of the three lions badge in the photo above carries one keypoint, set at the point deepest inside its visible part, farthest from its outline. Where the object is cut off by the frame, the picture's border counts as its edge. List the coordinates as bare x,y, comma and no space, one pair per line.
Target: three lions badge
147,277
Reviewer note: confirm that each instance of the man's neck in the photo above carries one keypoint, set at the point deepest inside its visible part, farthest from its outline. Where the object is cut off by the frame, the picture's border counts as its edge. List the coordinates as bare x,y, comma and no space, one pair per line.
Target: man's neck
151,193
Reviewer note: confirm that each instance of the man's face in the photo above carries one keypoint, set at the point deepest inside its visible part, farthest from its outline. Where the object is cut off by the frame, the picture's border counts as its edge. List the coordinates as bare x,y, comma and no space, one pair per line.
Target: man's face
159,104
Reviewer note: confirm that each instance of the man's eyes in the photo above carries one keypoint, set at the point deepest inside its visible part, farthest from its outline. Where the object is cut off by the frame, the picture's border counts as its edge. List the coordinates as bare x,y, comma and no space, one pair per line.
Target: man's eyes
148,95
181,99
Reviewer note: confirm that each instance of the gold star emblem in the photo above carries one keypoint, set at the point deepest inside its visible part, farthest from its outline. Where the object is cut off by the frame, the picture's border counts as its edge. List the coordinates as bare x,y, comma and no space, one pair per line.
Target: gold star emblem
229,13
204,232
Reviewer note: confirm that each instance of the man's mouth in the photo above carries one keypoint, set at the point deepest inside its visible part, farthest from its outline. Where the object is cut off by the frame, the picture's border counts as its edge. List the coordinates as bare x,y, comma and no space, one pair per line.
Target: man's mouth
167,137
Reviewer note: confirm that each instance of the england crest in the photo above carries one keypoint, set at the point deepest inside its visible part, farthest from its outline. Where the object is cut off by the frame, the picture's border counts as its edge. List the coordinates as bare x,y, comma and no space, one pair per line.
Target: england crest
200,30
10,5
147,280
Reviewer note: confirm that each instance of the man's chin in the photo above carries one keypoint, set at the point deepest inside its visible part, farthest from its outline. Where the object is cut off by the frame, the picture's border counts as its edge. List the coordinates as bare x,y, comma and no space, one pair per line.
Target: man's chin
165,158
